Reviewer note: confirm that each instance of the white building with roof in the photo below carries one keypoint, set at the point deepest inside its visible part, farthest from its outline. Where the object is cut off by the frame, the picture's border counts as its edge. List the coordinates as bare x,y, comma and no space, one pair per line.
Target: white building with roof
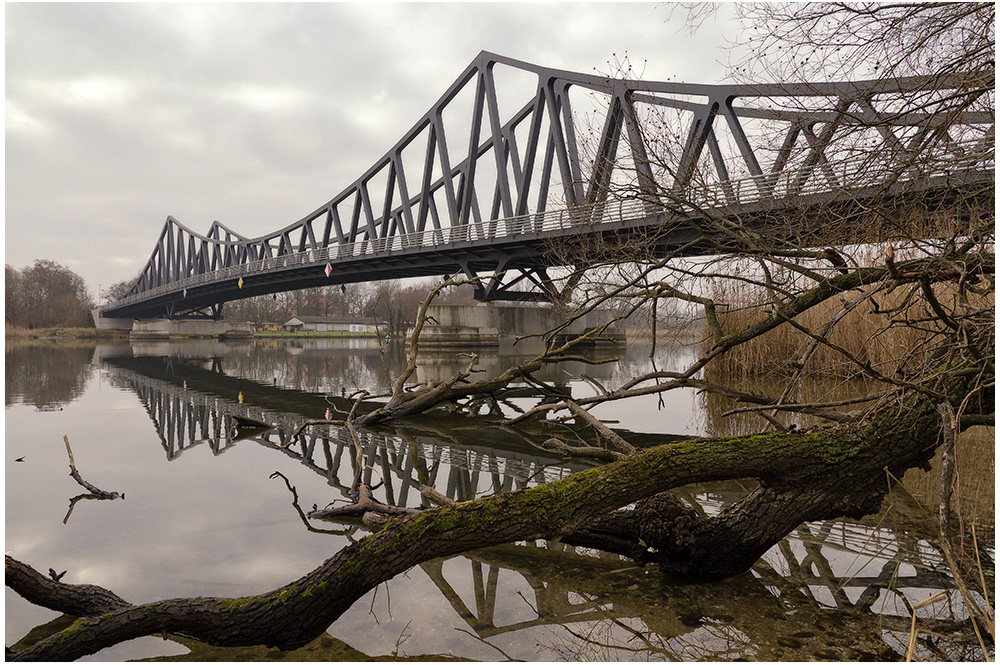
346,326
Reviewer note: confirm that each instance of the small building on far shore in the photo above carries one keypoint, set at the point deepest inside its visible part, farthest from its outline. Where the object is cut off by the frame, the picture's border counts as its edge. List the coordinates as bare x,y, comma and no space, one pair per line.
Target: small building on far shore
342,326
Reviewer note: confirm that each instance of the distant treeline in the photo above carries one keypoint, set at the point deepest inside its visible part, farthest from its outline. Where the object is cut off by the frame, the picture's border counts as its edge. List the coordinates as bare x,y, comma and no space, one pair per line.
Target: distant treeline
44,295
49,295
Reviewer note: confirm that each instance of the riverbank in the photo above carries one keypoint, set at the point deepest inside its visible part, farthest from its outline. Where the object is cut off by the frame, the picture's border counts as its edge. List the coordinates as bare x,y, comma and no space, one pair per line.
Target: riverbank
15,333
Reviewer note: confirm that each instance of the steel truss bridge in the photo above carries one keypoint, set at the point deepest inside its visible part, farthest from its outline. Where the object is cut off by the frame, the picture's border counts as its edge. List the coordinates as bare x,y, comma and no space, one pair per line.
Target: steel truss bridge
515,159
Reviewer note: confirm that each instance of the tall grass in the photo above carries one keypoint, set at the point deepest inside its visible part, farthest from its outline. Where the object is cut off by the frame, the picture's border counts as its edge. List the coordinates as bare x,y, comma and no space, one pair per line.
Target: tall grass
879,331
876,332
895,332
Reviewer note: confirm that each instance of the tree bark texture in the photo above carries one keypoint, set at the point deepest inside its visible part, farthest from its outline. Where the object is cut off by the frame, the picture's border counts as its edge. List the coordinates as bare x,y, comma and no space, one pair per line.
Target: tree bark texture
825,473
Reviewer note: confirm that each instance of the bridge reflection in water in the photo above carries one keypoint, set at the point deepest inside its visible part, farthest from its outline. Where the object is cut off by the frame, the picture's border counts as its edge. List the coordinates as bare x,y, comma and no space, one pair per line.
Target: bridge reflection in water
834,590
194,405
840,590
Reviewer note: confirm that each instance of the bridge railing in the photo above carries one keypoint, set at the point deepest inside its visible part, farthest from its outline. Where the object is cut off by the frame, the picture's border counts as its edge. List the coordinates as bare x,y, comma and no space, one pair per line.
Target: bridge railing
843,176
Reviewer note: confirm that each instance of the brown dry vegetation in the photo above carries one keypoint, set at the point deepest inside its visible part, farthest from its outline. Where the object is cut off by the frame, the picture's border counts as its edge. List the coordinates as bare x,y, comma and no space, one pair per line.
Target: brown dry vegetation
974,486
862,332
19,333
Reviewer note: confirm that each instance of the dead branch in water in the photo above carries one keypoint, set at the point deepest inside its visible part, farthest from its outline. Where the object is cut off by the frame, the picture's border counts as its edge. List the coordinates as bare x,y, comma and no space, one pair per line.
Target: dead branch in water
302,515
366,502
94,492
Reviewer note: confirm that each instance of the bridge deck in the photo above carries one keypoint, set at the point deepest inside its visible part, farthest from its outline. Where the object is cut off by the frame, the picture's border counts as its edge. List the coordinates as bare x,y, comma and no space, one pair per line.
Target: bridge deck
526,242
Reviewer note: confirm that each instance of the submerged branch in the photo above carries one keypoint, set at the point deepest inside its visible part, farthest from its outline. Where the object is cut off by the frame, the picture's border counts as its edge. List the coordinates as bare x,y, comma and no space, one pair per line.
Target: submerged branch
365,503
617,443
561,447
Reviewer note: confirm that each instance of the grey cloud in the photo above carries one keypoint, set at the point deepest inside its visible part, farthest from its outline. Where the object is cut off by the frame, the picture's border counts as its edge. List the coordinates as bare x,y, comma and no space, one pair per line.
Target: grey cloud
253,114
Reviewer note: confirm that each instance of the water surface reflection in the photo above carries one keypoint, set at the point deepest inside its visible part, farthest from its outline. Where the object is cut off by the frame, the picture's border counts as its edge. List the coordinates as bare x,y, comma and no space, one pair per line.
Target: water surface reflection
204,517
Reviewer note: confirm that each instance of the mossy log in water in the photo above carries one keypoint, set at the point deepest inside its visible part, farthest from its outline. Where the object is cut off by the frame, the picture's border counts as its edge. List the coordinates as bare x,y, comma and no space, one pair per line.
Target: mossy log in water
825,473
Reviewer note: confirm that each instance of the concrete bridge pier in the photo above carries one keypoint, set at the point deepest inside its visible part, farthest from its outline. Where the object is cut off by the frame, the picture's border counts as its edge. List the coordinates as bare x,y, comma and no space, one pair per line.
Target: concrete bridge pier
160,329
170,328
102,322
498,325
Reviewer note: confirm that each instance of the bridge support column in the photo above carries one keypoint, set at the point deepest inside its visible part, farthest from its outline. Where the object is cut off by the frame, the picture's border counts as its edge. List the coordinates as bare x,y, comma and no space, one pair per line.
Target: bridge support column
167,328
498,325
102,323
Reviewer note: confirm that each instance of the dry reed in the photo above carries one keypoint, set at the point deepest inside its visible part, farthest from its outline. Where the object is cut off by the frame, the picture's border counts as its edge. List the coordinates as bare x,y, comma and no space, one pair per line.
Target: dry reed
879,331
974,491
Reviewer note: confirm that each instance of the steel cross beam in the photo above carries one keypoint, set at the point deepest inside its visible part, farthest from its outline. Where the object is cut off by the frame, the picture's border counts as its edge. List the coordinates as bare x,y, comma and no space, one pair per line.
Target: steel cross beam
453,194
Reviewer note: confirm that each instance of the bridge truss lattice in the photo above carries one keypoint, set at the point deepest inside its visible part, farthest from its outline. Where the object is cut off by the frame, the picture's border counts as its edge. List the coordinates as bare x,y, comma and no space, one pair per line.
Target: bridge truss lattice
514,158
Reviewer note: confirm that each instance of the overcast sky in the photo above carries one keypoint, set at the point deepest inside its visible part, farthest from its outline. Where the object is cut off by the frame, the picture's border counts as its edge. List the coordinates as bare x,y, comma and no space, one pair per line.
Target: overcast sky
118,115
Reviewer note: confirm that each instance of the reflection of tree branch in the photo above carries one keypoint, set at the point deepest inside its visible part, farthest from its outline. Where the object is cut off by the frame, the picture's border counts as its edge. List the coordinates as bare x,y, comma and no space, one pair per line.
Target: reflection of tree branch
650,648
75,500
483,640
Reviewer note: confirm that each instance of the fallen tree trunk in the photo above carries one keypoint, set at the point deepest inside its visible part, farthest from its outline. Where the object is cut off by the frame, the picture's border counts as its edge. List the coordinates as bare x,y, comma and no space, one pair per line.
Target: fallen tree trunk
825,473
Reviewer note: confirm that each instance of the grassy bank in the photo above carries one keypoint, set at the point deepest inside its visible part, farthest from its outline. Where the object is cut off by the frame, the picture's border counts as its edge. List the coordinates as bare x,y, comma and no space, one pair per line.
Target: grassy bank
14,333
896,334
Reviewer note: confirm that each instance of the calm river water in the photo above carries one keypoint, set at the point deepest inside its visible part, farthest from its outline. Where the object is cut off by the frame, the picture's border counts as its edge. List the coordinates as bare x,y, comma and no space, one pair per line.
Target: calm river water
203,516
